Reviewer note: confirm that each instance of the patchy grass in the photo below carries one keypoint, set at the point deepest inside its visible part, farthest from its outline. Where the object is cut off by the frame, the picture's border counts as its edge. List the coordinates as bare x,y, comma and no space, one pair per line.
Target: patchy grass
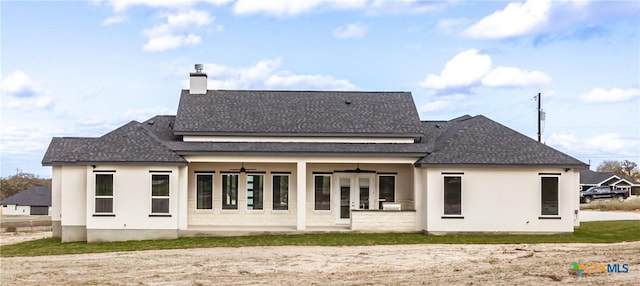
589,232
612,205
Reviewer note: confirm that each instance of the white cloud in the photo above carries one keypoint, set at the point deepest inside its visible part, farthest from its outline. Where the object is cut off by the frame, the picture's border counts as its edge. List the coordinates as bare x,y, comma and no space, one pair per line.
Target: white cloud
284,8
610,142
113,20
612,145
516,19
168,42
18,83
465,69
266,74
601,95
26,104
351,31
287,80
451,25
511,76
21,92
173,33
122,5
471,68
442,104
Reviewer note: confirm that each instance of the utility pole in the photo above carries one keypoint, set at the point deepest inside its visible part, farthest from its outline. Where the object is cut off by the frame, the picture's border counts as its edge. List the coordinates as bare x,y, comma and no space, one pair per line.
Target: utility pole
539,117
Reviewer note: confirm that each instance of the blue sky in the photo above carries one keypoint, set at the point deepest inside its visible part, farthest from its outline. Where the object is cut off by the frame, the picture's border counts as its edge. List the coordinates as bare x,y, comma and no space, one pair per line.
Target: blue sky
77,68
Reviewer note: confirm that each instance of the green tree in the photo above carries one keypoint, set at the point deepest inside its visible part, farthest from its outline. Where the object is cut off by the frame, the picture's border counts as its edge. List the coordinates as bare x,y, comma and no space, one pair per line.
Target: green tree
626,168
12,185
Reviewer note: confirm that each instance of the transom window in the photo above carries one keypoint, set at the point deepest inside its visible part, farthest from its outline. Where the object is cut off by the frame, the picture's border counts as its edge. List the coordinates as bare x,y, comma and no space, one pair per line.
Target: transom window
229,191
104,193
322,192
204,191
160,194
280,192
452,195
255,193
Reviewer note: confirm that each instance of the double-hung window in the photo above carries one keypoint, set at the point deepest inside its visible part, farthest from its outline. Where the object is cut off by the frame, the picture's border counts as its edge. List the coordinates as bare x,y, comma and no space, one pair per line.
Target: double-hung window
452,187
160,194
280,191
204,191
322,192
229,191
255,191
549,195
104,193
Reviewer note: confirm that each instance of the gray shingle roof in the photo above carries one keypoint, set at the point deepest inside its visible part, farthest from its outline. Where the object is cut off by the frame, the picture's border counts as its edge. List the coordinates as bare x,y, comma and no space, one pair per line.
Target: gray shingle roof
481,141
299,113
588,177
131,143
34,196
410,150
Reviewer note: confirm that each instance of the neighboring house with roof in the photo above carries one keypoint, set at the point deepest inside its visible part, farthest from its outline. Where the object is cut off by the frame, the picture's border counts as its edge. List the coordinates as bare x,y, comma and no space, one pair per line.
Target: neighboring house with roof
590,179
32,201
298,161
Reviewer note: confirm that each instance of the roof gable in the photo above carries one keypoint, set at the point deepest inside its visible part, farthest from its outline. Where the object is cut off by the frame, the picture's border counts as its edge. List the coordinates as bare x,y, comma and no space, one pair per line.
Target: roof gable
481,141
299,113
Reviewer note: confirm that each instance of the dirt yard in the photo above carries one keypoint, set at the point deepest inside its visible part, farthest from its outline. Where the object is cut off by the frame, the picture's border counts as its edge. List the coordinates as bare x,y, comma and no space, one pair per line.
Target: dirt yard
525,264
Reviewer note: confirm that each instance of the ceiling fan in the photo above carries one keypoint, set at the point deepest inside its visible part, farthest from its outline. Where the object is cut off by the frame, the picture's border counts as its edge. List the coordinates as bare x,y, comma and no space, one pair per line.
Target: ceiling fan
356,170
243,169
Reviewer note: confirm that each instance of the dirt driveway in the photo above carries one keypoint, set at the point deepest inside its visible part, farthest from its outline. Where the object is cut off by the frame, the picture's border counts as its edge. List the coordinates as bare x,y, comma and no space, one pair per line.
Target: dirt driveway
535,264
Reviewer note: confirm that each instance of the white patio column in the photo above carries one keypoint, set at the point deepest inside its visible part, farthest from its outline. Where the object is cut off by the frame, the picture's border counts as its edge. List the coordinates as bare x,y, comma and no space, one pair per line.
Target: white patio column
183,193
301,195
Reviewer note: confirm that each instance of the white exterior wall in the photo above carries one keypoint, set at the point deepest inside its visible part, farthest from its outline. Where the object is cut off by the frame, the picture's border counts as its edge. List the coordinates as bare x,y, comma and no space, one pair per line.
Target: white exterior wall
502,200
242,216
56,192
383,221
15,210
73,195
132,199
200,138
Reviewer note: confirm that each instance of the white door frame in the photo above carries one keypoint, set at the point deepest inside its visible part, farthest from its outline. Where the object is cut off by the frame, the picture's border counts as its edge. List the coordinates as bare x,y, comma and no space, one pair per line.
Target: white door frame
353,180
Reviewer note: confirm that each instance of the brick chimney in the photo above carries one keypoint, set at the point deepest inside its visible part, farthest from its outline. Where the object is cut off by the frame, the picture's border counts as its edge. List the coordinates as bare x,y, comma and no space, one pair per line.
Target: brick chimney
198,81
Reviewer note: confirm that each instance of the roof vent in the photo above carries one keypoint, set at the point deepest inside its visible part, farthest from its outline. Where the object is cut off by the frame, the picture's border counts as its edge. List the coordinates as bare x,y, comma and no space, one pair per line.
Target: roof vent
347,102
198,68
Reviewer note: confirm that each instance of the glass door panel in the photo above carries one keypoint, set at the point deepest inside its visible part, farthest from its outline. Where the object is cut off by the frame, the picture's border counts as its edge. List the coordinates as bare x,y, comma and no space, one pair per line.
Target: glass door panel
345,197
363,184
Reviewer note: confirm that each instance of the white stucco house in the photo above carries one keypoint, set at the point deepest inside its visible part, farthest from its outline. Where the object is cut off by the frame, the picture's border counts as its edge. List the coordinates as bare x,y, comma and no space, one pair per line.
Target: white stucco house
242,161
32,201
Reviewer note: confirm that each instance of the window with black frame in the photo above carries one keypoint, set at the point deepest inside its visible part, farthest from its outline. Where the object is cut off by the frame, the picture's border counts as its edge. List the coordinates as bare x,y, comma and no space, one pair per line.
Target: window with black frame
204,191
452,195
280,192
549,195
322,192
104,193
159,194
229,191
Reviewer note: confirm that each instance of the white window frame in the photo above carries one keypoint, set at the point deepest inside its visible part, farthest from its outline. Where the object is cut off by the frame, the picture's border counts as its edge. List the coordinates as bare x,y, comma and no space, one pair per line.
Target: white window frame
288,175
237,204
540,178
96,197
212,175
246,188
167,197
330,191
454,175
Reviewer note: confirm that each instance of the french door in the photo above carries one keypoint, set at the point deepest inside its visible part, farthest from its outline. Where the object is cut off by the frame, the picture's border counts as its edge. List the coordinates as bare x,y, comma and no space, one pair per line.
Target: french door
355,192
